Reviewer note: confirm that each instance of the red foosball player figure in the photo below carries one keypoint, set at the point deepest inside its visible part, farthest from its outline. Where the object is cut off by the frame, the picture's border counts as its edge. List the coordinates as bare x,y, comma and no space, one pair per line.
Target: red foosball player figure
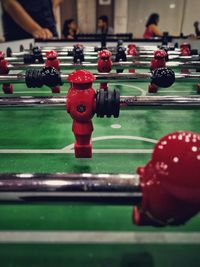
170,182
104,65
185,51
159,61
7,87
132,51
52,61
81,106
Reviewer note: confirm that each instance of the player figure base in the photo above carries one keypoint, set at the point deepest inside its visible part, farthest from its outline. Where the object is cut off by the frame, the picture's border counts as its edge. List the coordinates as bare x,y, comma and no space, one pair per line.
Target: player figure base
131,70
83,151
7,89
152,88
198,88
55,90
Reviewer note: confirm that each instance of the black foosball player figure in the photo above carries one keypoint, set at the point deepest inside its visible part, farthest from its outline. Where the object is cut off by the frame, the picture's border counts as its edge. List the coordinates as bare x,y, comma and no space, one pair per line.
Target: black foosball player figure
37,53
78,54
7,87
34,57
120,56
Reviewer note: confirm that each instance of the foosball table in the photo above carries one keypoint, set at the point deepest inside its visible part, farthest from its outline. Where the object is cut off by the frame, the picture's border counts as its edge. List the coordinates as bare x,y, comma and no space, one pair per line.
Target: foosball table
99,154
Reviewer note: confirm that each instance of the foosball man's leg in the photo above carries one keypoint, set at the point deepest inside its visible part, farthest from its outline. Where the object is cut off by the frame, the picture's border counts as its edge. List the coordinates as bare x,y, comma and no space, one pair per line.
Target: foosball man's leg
170,181
53,61
152,88
83,144
7,88
81,106
185,71
104,65
198,88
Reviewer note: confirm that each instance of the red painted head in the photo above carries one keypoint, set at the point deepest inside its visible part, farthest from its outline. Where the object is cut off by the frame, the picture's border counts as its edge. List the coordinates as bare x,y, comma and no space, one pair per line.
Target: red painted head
81,79
131,46
2,55
175,165
104,54
170,182
160,54
185,46
51,54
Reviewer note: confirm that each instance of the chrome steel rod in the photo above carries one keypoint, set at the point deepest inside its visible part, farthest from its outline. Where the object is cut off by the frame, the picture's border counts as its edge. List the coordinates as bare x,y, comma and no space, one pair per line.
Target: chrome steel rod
92,48
142,57
106,77
100,77
62,187
115,65
68,53
126,102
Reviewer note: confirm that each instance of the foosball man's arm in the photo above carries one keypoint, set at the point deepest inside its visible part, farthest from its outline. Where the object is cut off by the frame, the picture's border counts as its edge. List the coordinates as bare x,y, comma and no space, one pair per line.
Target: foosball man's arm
170,182
162,77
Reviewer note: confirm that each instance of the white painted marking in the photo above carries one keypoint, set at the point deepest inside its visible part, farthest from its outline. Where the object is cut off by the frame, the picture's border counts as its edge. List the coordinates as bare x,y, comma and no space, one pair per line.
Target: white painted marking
161,91
29,92
116,126
69,149
143,92
61,151
100,237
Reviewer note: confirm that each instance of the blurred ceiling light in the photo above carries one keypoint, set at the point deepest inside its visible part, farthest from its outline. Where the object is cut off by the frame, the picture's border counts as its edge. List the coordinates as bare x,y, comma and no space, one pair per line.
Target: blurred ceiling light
172,5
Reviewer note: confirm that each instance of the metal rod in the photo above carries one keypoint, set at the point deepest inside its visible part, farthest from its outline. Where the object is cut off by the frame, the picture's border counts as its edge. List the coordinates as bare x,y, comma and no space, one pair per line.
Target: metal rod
126,102
92,48
68,53
142,57
106,77
100,77
109,189
115,65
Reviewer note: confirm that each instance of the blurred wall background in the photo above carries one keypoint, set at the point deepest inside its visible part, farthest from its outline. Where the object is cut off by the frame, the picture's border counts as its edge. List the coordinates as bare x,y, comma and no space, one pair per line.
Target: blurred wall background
176,16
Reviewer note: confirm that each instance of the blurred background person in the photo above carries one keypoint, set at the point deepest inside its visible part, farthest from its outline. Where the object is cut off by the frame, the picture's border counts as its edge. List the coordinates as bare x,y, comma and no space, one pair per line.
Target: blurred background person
152,27
70,29
103,25
24,19
196,28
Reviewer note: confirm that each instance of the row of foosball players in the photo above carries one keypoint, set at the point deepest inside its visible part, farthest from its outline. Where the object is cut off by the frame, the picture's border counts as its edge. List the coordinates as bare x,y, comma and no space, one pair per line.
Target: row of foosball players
35,55
104,63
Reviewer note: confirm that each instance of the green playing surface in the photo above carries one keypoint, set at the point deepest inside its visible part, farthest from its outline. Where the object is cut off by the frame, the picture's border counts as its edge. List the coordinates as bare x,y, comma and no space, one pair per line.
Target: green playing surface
40,140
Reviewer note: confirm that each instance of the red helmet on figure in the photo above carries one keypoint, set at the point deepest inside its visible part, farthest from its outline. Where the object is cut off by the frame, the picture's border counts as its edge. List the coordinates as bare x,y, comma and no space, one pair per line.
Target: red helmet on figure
2,55
160,54
171,192
104,54
51,54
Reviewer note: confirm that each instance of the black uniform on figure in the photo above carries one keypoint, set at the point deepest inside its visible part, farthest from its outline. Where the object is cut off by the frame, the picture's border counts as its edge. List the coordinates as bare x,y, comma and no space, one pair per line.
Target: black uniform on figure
40,10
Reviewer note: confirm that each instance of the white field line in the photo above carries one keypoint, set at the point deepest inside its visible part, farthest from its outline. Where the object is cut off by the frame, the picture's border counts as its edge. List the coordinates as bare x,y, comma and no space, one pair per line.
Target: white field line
100,237
69,149
143,92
